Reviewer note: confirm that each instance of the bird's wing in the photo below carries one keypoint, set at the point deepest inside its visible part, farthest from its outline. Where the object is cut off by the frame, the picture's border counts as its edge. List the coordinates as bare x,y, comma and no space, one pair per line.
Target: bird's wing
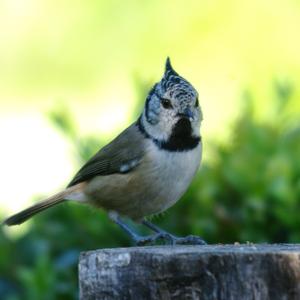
121,155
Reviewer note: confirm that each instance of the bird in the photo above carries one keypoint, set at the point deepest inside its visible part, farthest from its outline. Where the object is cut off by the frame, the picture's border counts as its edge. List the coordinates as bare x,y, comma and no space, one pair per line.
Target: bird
146,168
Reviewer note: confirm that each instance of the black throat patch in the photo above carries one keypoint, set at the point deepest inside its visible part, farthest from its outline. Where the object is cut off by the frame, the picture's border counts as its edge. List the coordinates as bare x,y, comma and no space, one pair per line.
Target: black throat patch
180,140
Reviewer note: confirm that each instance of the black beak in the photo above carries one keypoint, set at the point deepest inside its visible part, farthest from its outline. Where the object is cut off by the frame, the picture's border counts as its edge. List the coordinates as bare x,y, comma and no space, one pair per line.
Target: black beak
187,113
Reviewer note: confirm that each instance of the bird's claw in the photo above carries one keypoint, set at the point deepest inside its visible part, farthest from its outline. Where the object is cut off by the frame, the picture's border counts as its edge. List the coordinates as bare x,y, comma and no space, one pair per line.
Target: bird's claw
189,240
169,239
166,238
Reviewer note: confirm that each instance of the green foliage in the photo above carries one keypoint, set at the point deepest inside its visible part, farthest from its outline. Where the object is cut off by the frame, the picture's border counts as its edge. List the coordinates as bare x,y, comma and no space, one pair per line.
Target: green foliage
248,192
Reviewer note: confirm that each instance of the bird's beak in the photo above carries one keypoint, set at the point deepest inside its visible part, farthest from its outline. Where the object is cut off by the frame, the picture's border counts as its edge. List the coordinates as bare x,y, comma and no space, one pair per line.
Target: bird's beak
188,114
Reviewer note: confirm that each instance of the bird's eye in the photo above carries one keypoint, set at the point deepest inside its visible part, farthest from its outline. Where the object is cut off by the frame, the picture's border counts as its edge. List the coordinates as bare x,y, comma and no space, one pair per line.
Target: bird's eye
166,103
197,102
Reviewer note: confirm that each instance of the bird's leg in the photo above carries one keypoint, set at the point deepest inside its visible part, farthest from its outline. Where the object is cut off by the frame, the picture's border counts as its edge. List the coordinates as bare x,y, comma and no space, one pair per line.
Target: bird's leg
116,219
159,236
137,239
153,227
187,240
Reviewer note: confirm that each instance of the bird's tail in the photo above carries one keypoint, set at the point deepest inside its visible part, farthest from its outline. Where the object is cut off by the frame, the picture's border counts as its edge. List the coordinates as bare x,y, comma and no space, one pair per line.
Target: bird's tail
27,213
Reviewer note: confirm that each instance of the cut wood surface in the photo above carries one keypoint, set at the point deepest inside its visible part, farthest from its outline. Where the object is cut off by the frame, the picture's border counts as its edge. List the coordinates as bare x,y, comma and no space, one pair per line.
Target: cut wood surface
226,272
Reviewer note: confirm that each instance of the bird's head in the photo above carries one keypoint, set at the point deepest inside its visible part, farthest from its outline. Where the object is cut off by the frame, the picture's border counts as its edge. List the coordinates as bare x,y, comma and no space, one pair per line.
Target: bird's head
171,103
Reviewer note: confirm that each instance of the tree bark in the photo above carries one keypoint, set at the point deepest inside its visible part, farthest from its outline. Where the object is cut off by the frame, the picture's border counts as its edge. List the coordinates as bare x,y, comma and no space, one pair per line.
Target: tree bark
239,272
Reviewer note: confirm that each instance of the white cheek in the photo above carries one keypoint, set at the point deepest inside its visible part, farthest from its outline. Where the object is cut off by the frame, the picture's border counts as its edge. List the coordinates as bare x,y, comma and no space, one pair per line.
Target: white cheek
167,119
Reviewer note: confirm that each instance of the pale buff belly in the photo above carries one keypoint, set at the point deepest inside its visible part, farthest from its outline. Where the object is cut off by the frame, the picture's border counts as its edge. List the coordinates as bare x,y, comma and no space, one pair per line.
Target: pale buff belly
155,185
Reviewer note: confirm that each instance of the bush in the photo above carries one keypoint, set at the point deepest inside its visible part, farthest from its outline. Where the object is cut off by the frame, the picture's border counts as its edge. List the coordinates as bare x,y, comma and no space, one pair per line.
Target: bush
249,192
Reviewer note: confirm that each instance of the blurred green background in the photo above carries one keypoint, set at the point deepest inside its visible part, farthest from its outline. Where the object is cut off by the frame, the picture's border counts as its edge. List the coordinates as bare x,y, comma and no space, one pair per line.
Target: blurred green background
73,74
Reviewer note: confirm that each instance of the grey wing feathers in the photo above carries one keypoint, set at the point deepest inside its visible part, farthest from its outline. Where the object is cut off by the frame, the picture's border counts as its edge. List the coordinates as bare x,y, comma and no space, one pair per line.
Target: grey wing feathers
119,156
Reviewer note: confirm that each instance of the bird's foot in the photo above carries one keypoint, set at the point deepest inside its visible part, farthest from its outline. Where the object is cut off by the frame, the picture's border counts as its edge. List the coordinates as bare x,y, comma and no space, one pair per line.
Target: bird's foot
168,239
162,237
189,240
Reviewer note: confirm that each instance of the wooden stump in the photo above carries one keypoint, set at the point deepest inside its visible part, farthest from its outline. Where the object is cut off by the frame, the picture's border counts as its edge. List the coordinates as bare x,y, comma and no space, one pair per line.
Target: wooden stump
192,272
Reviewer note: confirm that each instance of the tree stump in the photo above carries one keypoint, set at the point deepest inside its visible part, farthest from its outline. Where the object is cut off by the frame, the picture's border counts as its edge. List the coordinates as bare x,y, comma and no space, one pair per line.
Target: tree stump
223,272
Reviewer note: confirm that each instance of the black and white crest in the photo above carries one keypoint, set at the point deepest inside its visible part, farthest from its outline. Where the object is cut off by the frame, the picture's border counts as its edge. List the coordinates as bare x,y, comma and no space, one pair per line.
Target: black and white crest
178,86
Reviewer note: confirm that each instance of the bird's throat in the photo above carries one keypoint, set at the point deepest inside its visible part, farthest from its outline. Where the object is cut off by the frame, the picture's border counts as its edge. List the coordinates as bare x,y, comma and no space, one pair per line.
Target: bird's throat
180,140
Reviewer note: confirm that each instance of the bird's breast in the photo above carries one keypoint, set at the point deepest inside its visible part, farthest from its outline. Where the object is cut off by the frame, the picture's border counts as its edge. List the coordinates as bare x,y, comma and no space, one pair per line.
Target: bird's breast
169,175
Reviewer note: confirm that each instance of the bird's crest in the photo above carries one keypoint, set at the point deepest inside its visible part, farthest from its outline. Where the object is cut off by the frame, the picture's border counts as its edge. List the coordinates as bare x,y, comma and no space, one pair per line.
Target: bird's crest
172,79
